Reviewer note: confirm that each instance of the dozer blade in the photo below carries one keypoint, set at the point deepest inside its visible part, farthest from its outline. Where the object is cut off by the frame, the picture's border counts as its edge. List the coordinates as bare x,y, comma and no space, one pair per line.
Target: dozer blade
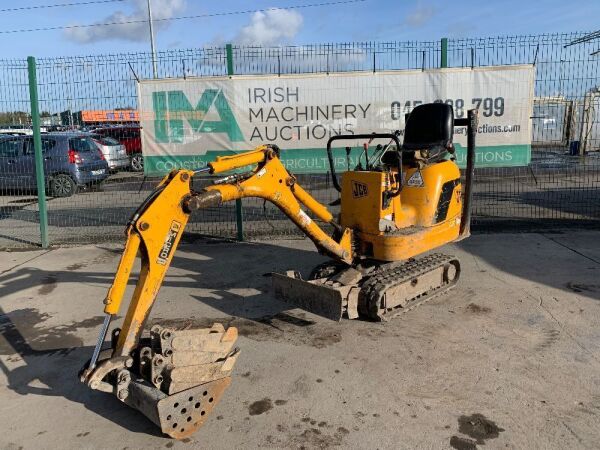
181,414
312,296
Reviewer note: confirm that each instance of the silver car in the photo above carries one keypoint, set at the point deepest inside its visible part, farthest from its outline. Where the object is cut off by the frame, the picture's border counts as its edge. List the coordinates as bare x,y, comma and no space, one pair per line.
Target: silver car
114,152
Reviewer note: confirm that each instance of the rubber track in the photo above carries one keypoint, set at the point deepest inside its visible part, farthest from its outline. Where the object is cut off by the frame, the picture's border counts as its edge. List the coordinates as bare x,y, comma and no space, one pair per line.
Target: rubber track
374,288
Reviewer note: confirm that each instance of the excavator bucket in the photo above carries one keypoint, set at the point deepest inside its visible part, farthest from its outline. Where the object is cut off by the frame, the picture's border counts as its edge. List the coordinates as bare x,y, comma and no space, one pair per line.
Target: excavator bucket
181,414
182,376
174,377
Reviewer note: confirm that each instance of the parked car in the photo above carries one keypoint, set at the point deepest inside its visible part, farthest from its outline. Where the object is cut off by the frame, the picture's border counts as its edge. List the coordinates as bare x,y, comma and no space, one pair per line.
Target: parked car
71,160
16,131
130,137
113,151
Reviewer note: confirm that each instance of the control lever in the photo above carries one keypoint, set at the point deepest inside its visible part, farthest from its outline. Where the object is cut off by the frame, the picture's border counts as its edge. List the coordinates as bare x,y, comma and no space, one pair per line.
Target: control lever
348,150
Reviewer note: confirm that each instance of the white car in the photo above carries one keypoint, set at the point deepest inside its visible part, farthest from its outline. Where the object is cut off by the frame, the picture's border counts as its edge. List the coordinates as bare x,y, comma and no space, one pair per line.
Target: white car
114,153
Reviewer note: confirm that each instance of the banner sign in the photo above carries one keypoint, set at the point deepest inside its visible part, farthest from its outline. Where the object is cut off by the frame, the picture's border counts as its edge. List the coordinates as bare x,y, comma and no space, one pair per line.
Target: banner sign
187,122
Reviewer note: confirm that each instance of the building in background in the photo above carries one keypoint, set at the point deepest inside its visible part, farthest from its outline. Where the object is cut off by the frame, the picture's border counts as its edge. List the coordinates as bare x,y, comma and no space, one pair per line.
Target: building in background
50,120
98,117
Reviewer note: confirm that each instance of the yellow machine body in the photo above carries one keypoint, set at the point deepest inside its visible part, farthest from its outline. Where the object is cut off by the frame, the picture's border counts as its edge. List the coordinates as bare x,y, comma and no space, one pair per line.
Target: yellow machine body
394,210
424,216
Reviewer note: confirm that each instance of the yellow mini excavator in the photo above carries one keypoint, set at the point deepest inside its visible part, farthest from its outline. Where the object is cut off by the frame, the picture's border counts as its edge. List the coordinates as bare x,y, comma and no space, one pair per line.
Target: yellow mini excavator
399,202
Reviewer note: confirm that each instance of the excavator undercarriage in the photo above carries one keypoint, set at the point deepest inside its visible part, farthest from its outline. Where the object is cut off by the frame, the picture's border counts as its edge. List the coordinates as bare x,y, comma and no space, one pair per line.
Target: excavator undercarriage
406,201
378,292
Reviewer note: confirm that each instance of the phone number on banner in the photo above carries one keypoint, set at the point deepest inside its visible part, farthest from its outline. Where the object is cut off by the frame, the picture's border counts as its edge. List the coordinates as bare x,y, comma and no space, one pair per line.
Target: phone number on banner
489,106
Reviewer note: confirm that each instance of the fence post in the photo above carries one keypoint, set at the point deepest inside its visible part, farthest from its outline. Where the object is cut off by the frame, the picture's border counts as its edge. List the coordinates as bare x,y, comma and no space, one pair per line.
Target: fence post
229,55
37,145
239,215
444,53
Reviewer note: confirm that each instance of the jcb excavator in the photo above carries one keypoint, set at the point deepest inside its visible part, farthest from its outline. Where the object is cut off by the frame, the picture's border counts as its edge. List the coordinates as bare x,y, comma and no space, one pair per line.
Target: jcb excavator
401,201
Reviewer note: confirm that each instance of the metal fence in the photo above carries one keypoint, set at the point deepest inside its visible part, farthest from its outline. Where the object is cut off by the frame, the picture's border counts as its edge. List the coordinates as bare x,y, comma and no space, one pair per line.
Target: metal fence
560,187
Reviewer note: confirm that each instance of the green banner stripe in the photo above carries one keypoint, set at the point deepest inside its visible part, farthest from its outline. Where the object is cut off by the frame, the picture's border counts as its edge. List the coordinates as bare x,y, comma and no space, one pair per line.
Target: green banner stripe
314,160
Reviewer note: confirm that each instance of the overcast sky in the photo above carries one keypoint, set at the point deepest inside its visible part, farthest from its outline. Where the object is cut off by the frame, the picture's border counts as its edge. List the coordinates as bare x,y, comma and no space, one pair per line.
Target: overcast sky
369,20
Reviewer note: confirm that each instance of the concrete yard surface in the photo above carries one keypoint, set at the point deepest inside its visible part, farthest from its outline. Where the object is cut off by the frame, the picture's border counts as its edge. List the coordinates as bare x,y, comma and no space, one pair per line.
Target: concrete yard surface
509,359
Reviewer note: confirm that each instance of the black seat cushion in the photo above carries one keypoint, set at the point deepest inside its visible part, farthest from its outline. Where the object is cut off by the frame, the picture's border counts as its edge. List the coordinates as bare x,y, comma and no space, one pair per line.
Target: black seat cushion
429,125
391,158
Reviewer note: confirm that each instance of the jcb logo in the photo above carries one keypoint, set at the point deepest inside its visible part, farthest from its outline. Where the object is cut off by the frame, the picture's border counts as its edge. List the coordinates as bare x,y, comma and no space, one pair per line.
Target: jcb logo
167,247
359,189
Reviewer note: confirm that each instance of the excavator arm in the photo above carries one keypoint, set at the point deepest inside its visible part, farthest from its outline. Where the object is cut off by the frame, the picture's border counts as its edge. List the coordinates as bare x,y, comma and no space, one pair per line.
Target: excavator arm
157,226
153,233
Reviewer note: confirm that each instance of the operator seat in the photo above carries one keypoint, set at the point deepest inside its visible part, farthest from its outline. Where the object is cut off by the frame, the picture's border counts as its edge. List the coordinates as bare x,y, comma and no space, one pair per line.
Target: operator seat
429,126
429,131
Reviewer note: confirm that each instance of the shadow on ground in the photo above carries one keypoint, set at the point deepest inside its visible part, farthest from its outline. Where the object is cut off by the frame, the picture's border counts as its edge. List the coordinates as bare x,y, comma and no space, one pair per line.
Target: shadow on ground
43,354
41,371
547,259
